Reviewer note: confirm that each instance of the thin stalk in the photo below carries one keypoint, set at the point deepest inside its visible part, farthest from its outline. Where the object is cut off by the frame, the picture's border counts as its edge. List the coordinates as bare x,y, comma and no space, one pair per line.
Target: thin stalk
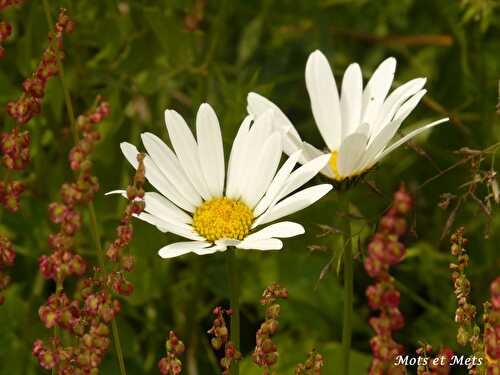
235,303
67,97
59,289
100,255
348,288
92,216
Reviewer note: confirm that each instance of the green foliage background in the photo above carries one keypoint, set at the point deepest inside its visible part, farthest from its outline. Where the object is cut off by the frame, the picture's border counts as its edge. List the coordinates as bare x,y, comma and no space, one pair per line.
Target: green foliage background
138,55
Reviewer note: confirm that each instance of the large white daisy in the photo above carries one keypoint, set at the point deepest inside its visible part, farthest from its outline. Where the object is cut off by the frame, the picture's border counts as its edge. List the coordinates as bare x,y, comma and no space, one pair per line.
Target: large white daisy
356,125
196,200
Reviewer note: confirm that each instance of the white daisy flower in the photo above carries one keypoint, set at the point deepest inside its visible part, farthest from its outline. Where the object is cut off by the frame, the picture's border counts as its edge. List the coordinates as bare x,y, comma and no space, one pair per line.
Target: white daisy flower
356,125
196,200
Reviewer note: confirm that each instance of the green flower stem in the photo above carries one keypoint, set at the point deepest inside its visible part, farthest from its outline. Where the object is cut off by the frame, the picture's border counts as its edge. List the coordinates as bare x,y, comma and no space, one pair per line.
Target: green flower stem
235,303
92,216
348,287
100,255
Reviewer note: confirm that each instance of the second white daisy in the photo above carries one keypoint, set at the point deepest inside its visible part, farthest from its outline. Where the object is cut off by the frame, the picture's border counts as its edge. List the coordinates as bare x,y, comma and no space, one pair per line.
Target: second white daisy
197,201
356,125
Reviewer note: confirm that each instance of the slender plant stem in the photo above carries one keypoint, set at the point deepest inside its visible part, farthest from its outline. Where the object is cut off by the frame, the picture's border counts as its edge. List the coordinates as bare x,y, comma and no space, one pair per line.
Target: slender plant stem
92,216
348,287
235,303
59,289
67,97
100,255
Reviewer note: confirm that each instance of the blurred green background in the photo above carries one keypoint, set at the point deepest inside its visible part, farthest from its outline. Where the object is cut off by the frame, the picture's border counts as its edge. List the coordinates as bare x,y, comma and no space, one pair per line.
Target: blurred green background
146,56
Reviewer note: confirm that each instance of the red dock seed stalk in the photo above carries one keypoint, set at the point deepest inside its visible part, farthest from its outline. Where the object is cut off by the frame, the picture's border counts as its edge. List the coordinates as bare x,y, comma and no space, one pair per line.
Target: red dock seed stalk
438,365
86,317
220,339
30,102
5,27
312,365
7,257
491,320
171,364
484,345
63,262
266,353
124,232
15,145
386,250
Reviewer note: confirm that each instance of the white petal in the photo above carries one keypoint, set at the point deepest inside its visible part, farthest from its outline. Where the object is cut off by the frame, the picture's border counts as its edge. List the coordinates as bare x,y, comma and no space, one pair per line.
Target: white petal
156,178
180,229
211,149
187,151
257,105
130,152
405,110
180,248
409,136
351,151
324,97
261,173
160,206
350,100
284,229
277,183
257,137
378,144
311,152
123,193
394,101
377,89
268,244
294,203
236,166
303,174
169,165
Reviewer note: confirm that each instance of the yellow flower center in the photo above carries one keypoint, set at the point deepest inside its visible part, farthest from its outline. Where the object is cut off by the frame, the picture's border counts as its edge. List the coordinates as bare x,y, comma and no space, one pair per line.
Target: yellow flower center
333,165
223,218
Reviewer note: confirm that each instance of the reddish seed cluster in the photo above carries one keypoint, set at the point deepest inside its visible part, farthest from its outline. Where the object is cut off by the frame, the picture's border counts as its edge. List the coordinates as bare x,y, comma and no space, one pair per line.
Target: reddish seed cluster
5,31
124,232
466,312
492,330
86,318
171,364
7,3
15,144
266,352
384,251
312,365
29,104
220,339
16,149
437,365
10,193
7,257
5,27
485,345
63,262
16,157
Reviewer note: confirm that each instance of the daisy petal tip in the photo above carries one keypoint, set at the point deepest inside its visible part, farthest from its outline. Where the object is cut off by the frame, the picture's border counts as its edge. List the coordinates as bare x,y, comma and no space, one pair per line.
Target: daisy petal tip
126,146
164,254
317,54
205,108
113,192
